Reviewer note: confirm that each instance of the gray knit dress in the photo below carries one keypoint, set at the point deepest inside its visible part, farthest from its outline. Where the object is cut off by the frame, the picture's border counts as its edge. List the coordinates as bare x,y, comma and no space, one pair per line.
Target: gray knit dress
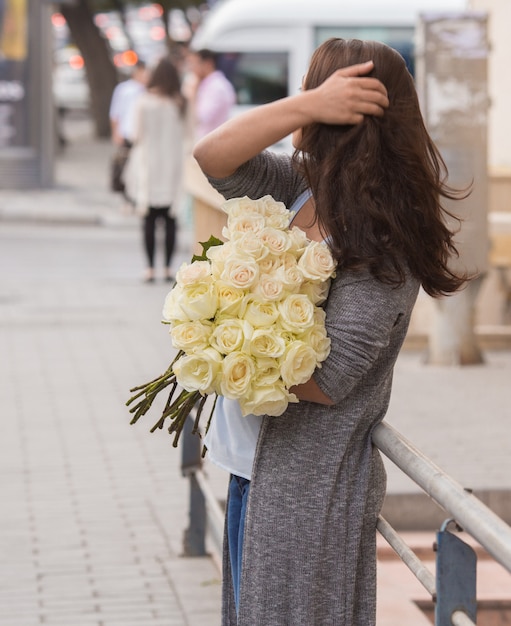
318,483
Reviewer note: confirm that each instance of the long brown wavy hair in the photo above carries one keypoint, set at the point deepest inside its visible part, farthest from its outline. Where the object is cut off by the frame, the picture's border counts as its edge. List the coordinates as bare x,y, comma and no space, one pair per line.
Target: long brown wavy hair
165,80
377,185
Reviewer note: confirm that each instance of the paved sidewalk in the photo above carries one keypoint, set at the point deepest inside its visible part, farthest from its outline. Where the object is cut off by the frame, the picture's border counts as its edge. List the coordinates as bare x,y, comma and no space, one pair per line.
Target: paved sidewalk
94,510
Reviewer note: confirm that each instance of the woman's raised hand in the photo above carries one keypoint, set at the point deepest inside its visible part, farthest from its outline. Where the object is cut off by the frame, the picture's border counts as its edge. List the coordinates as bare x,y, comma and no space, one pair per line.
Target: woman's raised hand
344,98
347,95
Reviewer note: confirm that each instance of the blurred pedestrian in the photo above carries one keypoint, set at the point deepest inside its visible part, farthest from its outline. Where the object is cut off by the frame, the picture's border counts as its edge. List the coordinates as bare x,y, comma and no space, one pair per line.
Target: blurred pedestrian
153,172
124,98
214,95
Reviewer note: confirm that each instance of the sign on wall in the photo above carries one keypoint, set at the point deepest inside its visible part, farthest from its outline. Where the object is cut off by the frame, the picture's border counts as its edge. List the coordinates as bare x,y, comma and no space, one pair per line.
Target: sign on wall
14,68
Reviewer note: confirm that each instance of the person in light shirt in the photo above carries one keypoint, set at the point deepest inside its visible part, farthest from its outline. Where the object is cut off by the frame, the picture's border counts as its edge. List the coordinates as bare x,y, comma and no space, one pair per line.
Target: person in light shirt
214,95
123,102
122,121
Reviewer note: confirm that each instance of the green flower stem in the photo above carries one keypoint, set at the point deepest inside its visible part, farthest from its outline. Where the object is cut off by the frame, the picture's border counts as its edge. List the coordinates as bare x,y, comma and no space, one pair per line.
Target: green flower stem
172,409
177,407
150,390
198,415
144,405
181,417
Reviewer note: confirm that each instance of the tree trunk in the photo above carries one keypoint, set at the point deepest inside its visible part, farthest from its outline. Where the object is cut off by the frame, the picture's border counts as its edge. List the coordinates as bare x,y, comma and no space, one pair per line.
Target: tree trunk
100,70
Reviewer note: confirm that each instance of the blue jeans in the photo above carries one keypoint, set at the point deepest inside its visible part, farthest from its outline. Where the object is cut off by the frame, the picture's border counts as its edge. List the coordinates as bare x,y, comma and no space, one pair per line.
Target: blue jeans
237,506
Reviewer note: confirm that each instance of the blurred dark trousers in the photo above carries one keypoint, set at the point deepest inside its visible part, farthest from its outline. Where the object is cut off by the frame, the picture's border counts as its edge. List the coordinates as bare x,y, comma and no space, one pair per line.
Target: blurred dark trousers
155,215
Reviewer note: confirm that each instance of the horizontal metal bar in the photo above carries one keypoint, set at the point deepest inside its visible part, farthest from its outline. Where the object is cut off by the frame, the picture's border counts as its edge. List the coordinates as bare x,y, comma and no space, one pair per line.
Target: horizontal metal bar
469,512
459,618
407,555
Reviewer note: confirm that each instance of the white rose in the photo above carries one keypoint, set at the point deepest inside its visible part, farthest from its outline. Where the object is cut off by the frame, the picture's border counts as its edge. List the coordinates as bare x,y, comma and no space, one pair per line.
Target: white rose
277,241
238,369
237,207
267,371
266,342
240,224
250,244
317,262
298,364
199,372
296,313
289,273
230,335
172,311
266,400
271,207
318,340
195,272
269,264
269,287
199,301
229,298
191,336
259,313
299,240
288,336
240,272
279,221
217,255
316,292
319,316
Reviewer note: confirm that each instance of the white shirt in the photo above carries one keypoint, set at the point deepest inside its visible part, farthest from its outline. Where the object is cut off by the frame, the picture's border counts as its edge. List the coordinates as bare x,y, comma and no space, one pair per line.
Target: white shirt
153,171
232,439
122,106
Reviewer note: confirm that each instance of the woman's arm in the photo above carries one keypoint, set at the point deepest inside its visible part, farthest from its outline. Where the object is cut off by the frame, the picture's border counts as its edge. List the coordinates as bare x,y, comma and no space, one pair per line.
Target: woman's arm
344,98
310,392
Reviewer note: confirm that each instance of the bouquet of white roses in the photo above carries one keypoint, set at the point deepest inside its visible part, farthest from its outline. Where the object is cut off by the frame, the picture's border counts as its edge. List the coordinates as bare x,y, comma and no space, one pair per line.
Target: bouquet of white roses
245,317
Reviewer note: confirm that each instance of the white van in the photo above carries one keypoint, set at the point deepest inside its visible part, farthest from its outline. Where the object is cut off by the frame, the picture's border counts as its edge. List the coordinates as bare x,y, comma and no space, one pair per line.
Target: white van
265,45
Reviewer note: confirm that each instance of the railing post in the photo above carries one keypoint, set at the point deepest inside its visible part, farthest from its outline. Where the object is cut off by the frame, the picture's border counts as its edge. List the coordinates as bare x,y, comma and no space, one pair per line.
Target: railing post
455,578
194,538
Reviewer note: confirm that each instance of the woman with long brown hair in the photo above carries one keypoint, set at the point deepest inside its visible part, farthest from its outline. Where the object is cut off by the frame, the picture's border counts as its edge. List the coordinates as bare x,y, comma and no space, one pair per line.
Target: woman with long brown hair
153,171
306,491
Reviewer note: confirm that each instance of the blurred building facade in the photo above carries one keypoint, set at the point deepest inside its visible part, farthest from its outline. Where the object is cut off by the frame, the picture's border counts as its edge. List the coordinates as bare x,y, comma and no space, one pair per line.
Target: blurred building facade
26,103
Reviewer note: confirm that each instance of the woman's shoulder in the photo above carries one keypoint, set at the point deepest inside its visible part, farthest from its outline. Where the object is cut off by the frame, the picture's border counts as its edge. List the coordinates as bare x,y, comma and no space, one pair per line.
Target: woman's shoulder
362,284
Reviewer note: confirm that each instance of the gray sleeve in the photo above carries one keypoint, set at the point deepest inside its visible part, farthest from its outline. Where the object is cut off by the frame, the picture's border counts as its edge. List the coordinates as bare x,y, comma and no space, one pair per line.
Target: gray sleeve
362,315
266,174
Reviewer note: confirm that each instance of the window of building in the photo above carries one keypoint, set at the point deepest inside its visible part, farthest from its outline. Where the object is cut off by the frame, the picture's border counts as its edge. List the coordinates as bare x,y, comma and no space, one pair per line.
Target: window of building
399,38
258,77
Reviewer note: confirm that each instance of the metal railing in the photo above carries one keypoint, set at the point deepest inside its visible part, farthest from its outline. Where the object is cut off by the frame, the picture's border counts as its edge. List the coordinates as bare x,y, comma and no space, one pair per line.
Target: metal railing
452,587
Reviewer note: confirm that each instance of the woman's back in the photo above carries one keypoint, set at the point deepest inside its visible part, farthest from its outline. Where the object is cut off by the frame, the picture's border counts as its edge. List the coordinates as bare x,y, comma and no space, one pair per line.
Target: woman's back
158,150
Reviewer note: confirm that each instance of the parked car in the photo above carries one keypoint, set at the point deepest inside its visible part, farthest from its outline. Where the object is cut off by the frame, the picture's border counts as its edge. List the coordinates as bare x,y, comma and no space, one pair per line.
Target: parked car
70,86
264,47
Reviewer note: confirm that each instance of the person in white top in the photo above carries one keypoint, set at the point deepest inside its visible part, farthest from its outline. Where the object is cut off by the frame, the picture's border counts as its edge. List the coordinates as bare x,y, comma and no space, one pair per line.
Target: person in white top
154,168
124,98
214,95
